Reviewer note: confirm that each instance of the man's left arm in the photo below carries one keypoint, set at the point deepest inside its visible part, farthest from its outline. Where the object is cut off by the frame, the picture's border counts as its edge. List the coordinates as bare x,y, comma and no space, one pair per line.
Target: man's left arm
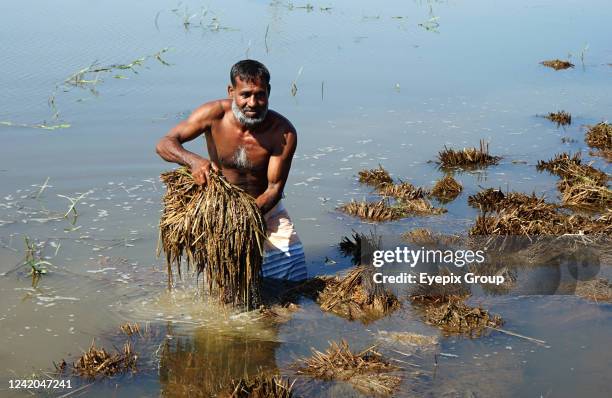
278,171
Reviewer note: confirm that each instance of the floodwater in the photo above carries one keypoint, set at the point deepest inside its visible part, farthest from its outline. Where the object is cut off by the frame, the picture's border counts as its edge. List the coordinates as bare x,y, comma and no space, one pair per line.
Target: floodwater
375,84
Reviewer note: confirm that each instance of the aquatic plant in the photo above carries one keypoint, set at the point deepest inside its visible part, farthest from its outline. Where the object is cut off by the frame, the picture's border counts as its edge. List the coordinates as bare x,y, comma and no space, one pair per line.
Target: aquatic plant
446,189
356,296
557,64
219,230
562,118
467,157
378,177
366,370
263,385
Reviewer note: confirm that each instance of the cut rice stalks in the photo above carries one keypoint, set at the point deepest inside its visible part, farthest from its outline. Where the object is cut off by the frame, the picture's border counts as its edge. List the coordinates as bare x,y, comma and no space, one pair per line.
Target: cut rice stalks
446,189
373,211
359,246
260,386
557,64
367,371
454,316
219,230
600,138
98,362
356,296
424,237
581,186
467,158
562,118
375,177
598,289
403,190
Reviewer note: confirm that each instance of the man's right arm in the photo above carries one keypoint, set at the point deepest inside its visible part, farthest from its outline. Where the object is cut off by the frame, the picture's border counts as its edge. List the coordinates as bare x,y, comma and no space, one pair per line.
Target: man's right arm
171,149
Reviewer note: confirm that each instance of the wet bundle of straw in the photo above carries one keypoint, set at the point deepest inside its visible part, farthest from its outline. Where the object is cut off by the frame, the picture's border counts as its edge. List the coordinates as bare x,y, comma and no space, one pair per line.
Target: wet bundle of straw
366,370
372,211
581,185
454,316
98,362
260,386
468,157
446,189
562,118
376,177
557,64
425,237
600,137
356,296
403,190
219,230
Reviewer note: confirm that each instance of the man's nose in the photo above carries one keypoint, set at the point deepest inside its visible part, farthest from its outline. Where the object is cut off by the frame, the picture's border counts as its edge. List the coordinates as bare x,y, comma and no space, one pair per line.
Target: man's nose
251,102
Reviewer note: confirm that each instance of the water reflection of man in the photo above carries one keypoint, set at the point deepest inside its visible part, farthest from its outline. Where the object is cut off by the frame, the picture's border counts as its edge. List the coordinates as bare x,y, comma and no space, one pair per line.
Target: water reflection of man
253,147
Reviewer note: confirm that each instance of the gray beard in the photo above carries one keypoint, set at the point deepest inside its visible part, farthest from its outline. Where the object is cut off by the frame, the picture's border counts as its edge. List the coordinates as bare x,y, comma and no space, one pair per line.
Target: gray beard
244,119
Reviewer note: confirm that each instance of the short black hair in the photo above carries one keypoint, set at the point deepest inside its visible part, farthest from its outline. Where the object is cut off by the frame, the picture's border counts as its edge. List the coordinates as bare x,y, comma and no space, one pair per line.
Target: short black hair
249,70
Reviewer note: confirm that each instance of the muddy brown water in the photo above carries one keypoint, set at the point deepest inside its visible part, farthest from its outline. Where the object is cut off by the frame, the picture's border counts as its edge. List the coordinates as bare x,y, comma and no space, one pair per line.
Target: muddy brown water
374,89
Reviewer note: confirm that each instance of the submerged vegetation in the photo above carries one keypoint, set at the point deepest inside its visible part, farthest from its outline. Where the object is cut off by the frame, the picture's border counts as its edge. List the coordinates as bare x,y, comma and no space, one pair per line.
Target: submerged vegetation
366,370
467,157
557,64
219,230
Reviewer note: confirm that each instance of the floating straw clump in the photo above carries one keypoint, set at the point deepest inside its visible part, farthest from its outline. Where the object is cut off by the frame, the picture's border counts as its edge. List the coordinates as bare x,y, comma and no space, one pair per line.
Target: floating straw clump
562,118
219,230
467,157
446,189
98,362
356,296
375,177
366,370
372,211
454,316
557,64
403,190
600,138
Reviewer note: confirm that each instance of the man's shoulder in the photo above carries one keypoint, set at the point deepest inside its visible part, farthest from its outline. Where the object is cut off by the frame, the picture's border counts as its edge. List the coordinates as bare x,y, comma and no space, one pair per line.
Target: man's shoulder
281,123
213,110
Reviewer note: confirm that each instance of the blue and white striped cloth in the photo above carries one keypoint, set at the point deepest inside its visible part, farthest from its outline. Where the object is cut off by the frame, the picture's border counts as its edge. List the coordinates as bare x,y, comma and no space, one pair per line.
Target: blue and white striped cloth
284,253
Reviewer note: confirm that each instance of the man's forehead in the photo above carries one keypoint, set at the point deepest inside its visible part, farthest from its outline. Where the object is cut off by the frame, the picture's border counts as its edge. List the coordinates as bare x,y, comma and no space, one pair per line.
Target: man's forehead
250,84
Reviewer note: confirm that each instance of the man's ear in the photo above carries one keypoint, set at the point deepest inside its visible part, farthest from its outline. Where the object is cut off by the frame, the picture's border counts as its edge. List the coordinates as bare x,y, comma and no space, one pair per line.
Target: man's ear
230,91
269,89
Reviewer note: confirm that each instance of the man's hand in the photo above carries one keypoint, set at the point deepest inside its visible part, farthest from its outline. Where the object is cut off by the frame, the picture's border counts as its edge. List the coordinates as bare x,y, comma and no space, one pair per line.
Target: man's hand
200,169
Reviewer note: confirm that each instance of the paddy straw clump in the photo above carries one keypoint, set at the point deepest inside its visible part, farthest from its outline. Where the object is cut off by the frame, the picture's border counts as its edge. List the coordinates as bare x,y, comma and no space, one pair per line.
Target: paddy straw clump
404,191
581,185
358,245
467,157
375,177
260,386
219,230
600,138
357,297
557,64
367,370
454,316
98,362
446,189
562,118
427,238
598,289
373,211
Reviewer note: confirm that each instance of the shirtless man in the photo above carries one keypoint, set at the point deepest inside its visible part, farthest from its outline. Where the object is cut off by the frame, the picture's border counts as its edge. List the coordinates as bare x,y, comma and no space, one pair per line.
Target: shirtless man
253,147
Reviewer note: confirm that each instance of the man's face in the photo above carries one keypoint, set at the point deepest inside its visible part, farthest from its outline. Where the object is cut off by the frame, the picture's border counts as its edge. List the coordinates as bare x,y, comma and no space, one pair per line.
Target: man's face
250,101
